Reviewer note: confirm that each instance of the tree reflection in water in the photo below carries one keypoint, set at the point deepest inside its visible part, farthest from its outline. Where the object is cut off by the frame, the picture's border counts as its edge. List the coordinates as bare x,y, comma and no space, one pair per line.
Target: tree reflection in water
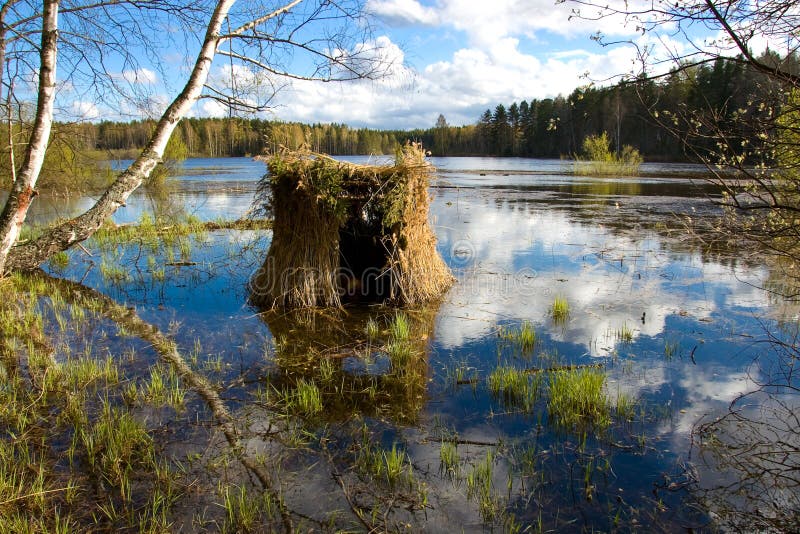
752,452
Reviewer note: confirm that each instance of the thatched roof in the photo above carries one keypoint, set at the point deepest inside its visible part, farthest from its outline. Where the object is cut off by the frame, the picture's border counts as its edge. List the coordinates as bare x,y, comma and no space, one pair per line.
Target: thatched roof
328,214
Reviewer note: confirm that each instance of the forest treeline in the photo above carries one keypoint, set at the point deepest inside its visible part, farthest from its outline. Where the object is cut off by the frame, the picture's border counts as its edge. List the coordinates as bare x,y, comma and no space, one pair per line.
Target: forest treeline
552,127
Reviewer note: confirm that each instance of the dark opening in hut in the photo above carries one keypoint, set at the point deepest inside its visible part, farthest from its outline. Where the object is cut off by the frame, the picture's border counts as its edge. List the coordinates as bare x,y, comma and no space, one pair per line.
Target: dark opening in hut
344,232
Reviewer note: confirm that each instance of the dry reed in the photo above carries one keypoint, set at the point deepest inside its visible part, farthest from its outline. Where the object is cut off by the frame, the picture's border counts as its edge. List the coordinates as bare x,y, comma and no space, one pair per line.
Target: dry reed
314,198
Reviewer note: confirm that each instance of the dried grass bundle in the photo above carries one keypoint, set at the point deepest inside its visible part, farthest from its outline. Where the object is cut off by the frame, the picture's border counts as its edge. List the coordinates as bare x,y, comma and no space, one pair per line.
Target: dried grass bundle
343,231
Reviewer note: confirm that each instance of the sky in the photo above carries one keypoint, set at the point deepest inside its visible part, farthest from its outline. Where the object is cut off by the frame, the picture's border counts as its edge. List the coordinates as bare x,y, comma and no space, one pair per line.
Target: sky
460,57
456,58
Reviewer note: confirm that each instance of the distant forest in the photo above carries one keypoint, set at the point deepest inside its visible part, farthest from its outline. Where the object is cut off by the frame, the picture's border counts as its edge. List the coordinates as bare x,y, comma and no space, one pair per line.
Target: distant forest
547,128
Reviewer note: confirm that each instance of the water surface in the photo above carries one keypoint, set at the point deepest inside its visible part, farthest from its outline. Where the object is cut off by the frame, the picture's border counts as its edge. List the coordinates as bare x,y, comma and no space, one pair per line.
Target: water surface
674,324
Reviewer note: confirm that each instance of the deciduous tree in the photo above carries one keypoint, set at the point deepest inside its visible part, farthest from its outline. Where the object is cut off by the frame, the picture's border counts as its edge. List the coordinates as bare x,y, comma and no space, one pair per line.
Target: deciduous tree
747,139
264,43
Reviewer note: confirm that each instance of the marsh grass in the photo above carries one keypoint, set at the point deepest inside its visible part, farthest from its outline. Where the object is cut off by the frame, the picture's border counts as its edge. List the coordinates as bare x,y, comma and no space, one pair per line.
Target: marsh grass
624,333
326,370
245,512
391,467
560,310
460,374
578,400
116,445
164,388
372,329
400,353
522,337
113,272
306,398
671,348
400,327
141,252
625,407
480,487
514,387
449,461
73,456
59,261
401,348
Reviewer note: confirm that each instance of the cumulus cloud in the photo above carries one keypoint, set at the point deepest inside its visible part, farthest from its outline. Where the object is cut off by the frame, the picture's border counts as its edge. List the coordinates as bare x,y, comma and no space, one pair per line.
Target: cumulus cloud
486,22
142,76
401,12
212,108
460,87
504,53
84,111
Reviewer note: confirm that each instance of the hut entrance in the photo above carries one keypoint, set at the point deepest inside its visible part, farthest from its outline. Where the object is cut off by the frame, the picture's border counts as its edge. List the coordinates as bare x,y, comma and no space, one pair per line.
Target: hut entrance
364,274
344,232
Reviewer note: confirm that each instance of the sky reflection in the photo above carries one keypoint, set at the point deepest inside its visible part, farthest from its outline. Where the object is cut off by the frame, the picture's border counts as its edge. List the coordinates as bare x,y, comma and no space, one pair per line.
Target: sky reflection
511,263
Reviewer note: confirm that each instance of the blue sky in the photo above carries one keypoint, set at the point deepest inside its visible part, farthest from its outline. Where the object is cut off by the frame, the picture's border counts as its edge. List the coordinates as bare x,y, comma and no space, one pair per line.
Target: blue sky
454,57
462,57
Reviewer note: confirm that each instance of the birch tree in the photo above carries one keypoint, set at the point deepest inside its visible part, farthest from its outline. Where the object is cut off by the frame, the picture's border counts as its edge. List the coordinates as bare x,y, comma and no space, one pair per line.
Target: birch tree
267,43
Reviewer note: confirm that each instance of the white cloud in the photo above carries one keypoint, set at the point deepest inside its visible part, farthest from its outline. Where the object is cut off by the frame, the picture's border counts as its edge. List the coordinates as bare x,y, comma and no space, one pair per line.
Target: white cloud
84,111
461,87
212,108
493,65
402,12
142,76
486,22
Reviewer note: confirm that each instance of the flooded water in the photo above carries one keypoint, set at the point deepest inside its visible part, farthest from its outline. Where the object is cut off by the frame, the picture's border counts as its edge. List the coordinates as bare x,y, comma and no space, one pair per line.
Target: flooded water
675,327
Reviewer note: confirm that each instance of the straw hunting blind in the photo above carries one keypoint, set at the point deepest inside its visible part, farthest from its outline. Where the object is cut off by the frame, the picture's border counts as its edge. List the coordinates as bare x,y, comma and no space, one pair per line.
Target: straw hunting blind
344,232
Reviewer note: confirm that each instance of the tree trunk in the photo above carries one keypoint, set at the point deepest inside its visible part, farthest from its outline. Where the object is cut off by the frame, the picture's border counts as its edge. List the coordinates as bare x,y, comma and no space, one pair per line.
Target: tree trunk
22,190
28,256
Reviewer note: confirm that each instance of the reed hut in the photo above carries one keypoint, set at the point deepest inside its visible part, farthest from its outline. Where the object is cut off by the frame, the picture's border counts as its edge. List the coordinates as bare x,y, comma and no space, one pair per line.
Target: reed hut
344,232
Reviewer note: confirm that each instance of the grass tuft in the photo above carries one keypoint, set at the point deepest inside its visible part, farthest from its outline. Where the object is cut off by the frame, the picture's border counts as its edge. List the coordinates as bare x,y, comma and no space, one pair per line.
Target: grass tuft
578,399
307,398
625,333
480,487
560,310
523,337
514,387
400,327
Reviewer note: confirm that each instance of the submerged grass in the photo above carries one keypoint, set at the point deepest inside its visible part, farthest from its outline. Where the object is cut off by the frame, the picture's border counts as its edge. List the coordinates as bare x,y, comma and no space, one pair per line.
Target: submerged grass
625,333
392,467
400,327
73,456
307,398
578,399
523,337
560,310
372,329
449,461
514,387
480,487
245,512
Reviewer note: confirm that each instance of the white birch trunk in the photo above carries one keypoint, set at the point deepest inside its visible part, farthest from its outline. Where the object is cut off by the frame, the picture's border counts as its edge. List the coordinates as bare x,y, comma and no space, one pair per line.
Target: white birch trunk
30,255
23,187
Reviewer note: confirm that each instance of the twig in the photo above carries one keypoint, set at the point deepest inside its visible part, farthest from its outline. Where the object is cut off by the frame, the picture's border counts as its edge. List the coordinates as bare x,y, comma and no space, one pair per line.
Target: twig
34,495
535,370
85,250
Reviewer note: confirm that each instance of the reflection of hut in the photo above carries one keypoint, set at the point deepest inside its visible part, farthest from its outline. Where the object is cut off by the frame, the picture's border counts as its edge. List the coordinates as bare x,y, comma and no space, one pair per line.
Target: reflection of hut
348,232
355,373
